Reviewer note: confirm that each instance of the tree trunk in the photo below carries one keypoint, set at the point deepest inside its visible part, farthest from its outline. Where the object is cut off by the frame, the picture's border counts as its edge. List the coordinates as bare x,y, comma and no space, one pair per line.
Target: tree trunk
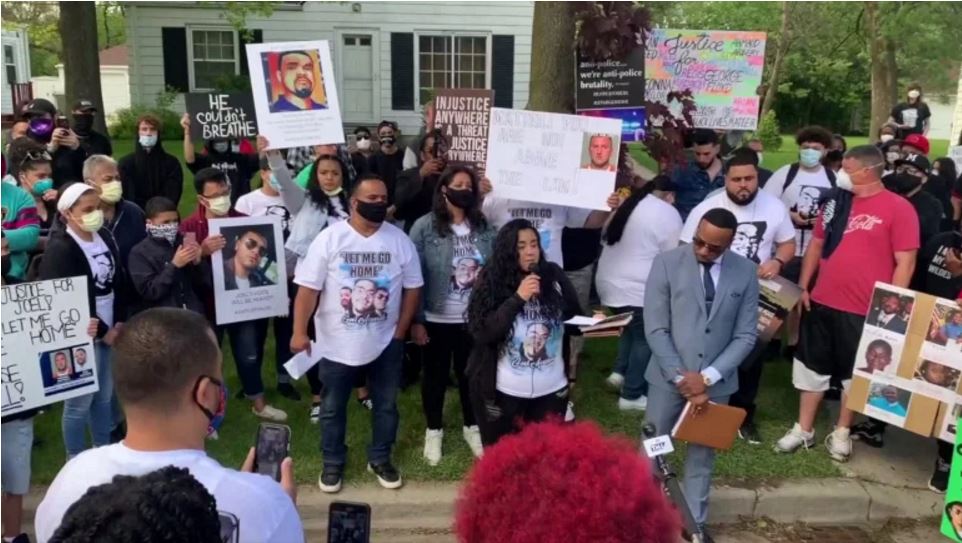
784,41
883,67
81,64
552,82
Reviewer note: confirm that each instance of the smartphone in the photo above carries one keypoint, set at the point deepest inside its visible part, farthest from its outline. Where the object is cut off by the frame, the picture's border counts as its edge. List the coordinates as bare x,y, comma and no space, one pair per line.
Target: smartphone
229,527
273,446
190,238
349,522
62,122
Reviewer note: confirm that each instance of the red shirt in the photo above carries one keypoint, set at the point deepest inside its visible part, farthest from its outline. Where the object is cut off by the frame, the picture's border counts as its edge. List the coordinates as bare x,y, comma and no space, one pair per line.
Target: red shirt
878,227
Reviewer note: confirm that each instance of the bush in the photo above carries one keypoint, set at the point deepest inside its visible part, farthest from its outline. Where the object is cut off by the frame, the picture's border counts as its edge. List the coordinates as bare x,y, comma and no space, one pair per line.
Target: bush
123,125
768,132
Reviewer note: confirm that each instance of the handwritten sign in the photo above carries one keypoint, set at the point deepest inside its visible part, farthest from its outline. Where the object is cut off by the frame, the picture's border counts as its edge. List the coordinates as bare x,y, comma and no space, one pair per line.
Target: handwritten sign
47,355
462,117
553,158
221,116
250,273
722,69
611,84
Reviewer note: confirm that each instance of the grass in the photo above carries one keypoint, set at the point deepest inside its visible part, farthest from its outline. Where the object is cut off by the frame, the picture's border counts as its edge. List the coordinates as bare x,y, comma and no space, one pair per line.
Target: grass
778,404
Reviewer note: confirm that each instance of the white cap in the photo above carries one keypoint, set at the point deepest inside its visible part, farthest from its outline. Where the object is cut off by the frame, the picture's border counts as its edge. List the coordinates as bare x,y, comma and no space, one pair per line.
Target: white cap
70,196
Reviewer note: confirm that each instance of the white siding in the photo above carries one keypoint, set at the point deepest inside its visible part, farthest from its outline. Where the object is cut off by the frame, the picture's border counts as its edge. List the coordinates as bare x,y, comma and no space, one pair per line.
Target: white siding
323,20
114,86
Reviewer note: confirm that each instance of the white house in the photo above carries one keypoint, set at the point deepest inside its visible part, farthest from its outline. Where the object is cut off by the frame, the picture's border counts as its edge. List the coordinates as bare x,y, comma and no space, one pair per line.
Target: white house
16,66
387,55
114,82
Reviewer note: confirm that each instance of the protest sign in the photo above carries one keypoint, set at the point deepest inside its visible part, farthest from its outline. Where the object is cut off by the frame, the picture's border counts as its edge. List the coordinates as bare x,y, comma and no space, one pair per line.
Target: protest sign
955,153
909,359
777,297
462,116
952,512
47,355
722,69
633,121
552,158
612,83
250,272
294,94
221,116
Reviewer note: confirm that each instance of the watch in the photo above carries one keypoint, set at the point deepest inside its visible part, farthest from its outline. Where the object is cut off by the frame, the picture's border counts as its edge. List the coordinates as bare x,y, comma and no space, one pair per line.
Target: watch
707,380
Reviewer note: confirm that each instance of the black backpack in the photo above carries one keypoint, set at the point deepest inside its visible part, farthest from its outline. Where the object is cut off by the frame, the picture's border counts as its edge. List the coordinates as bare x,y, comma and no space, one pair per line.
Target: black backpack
793,171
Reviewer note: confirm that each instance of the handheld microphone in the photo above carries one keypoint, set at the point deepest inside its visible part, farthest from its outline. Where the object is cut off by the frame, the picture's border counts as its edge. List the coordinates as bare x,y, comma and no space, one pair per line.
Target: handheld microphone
536,268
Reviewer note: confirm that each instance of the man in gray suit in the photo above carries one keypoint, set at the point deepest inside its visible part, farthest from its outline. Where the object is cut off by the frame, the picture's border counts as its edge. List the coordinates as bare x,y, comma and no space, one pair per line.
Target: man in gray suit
701,312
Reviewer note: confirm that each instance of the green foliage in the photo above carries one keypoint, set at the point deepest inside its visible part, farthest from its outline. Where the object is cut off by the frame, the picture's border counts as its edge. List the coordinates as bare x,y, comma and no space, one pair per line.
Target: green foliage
39,19
237,13
124,123
768,132
233,83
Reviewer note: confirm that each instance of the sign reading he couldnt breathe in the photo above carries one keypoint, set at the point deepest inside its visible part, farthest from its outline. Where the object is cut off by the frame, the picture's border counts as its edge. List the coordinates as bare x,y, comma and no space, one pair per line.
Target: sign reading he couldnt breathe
553,158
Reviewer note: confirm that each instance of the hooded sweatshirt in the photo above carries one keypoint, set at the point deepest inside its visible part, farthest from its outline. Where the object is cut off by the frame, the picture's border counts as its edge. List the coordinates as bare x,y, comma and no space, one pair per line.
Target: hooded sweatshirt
147,174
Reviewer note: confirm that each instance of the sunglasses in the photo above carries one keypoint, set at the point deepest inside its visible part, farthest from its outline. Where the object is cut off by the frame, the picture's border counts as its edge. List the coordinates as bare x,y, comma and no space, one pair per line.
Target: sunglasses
251,245
702,244
363,136
36,156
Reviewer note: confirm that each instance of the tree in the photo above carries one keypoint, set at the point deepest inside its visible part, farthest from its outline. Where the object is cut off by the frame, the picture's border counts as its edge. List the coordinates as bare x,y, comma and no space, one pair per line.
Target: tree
884,69
784,41
552,83
78,33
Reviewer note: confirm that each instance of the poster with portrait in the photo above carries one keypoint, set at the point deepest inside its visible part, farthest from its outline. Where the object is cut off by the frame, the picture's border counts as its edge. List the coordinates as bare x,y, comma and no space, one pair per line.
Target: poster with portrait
553,158
47,355
295,98
250,272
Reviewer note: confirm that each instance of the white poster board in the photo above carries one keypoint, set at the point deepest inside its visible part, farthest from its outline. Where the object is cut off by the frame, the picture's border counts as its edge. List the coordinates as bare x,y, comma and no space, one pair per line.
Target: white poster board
250,272
552,158
295,98
47,355
955,153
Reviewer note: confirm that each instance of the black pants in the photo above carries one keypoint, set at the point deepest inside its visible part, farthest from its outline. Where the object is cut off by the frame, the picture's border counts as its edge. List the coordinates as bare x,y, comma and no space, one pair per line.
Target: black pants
448,342
514,411
749,380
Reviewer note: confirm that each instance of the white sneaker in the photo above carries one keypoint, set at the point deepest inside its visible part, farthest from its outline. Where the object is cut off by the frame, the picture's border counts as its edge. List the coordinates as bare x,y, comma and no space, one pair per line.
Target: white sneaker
570,413
839,444
472,436
270,413
432,446
639,404
615,380
794,439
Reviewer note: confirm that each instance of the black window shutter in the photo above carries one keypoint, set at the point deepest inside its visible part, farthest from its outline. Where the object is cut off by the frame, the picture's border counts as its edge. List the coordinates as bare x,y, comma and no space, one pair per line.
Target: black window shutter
502,70
174,41
256,36
402,71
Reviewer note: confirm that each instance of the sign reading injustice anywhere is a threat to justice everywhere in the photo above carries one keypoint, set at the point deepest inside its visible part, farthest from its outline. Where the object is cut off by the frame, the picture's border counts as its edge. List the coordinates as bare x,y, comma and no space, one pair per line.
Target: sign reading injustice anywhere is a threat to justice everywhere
462,117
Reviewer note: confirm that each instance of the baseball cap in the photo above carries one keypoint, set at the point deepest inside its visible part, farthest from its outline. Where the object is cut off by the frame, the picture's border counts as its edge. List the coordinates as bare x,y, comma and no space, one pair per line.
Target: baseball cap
918,141
919,161
84,105
39,106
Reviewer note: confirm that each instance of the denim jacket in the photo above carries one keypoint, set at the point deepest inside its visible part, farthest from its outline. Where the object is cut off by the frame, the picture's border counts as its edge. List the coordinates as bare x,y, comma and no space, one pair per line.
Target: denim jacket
436,253
693,185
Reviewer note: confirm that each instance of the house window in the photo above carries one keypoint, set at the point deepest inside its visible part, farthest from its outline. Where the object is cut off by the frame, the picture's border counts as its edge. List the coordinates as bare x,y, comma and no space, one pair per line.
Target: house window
10,64
213,56
451,61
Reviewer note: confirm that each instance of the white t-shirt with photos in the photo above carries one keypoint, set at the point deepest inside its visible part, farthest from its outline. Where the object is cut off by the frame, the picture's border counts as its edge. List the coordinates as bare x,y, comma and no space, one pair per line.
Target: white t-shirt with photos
257,203
466,264
532,364
361,280
103,267
802,196
761,224
549,219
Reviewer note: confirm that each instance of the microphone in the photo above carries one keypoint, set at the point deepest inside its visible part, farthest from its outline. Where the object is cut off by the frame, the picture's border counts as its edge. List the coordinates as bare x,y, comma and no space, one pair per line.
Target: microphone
536,268
648,430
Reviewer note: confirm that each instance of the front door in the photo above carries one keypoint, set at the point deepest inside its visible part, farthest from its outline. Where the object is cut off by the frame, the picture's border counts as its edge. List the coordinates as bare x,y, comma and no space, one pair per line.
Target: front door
357,77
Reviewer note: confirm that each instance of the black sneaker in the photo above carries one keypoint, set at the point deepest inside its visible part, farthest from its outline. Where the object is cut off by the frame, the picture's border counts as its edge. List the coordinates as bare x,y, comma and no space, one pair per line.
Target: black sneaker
22,538
940,477
749,433
330,479
366,403
870,433
288,391
387,475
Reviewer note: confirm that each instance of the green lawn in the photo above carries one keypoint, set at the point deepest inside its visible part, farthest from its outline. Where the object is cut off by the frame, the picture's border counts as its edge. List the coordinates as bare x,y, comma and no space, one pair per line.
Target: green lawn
778,403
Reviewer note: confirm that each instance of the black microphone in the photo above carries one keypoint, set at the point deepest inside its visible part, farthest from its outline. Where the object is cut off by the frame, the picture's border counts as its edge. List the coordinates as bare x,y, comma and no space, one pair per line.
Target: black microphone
536,268
648,430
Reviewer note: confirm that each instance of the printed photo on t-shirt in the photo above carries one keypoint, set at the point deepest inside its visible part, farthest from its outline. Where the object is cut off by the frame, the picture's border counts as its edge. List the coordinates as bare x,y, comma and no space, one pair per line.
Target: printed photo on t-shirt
536,342
103,273
748,238
365,287
466,264
809,198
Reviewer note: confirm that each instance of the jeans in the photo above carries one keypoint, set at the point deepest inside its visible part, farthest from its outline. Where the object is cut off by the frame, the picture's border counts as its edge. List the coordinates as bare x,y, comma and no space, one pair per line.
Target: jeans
383,378
448,342
247,346
93,409
283,330
581,280
633,354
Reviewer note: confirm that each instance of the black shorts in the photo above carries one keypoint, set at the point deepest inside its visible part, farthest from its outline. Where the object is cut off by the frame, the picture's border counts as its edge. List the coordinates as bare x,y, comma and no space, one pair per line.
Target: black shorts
828,341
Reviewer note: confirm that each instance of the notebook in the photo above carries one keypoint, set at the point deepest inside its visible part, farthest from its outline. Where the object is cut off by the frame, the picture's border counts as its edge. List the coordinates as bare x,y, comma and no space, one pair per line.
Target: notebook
715,426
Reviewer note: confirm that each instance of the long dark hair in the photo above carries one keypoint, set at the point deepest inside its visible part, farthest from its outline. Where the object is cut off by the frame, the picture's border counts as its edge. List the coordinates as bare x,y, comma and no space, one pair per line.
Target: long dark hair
442,217
316,194
501,276
947,170
616,228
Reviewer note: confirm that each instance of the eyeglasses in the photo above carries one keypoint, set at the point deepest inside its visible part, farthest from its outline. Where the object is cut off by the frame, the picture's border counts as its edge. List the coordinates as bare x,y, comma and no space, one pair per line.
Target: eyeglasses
251,245
702,244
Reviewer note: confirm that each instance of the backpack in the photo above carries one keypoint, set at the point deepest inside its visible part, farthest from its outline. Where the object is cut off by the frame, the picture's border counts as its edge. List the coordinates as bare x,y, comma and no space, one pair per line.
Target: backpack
793,171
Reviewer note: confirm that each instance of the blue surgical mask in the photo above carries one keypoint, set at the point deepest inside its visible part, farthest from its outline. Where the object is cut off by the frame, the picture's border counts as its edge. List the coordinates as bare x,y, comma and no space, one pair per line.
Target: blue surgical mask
274,183
148,140
42,186
809,157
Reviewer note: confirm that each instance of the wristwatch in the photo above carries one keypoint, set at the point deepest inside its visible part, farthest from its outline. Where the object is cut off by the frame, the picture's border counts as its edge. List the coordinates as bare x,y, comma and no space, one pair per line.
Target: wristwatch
707,380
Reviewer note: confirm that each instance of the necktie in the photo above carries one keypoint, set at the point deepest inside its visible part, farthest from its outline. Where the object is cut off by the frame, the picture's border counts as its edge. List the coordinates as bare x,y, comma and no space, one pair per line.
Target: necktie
709,286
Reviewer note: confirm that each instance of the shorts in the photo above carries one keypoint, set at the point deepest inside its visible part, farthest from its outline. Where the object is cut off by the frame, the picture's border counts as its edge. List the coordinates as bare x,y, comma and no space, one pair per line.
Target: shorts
827,347
16,442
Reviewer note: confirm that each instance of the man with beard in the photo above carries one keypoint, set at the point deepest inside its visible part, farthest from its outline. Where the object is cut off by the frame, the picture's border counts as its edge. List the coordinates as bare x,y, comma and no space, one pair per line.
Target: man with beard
295,72
362,298
381,297
701,176
886,314
764,235
535,346
79,359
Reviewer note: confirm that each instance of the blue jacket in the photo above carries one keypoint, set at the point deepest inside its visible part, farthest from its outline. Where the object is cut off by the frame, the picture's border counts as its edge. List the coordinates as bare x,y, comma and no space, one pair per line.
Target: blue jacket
693,185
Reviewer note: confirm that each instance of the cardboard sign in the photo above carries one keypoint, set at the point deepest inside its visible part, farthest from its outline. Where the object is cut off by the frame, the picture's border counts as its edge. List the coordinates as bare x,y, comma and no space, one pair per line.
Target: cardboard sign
909,359
552,158
221,116
952,513
776,299
47,355
722,69
462,116
294,93
610,84
250,273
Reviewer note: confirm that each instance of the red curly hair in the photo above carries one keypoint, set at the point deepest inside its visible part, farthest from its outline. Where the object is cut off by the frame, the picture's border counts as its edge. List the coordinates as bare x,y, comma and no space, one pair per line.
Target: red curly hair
557,482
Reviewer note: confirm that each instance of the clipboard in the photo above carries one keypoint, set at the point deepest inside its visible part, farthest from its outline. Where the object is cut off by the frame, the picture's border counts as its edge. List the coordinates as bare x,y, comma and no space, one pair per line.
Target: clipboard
716,426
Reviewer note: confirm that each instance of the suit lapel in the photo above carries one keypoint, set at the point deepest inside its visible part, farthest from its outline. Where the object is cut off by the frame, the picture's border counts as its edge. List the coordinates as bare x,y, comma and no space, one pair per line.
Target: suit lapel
725,279
692,267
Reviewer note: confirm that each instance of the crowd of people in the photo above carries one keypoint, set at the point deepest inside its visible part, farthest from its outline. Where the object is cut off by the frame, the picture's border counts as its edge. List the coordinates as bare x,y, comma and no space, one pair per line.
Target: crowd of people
390,250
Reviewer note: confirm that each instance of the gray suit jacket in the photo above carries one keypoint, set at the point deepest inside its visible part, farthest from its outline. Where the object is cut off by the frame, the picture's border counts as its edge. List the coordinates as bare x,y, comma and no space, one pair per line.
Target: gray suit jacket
681,336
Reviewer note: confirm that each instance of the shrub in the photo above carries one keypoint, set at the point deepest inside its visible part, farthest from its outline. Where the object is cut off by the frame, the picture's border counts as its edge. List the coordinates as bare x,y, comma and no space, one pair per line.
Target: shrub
768,132
123,125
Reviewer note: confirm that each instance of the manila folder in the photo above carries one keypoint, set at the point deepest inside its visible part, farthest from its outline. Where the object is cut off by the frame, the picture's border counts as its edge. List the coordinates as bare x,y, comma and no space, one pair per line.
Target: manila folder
715,426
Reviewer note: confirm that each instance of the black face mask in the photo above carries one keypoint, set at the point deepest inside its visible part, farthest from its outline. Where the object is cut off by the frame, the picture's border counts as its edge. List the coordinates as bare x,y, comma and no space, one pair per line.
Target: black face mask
901,183
372,211
834,156
461,198
83,123
7,265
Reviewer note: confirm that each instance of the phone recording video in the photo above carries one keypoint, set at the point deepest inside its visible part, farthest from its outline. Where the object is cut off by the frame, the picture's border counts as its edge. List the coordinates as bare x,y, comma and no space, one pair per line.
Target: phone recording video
273,446
62,122
349,522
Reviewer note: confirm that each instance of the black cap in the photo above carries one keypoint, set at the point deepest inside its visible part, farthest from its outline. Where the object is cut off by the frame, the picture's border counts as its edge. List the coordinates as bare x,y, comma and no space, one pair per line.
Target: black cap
39,106
85,106
919,161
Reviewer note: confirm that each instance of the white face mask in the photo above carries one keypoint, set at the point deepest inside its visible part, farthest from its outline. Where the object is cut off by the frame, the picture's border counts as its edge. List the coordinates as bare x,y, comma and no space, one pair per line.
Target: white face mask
914,94
886,138
843,181
364,145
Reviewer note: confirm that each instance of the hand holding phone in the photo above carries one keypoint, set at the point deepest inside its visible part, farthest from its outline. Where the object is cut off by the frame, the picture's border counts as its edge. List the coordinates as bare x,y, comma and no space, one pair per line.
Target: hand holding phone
273,446
349,522
190,238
